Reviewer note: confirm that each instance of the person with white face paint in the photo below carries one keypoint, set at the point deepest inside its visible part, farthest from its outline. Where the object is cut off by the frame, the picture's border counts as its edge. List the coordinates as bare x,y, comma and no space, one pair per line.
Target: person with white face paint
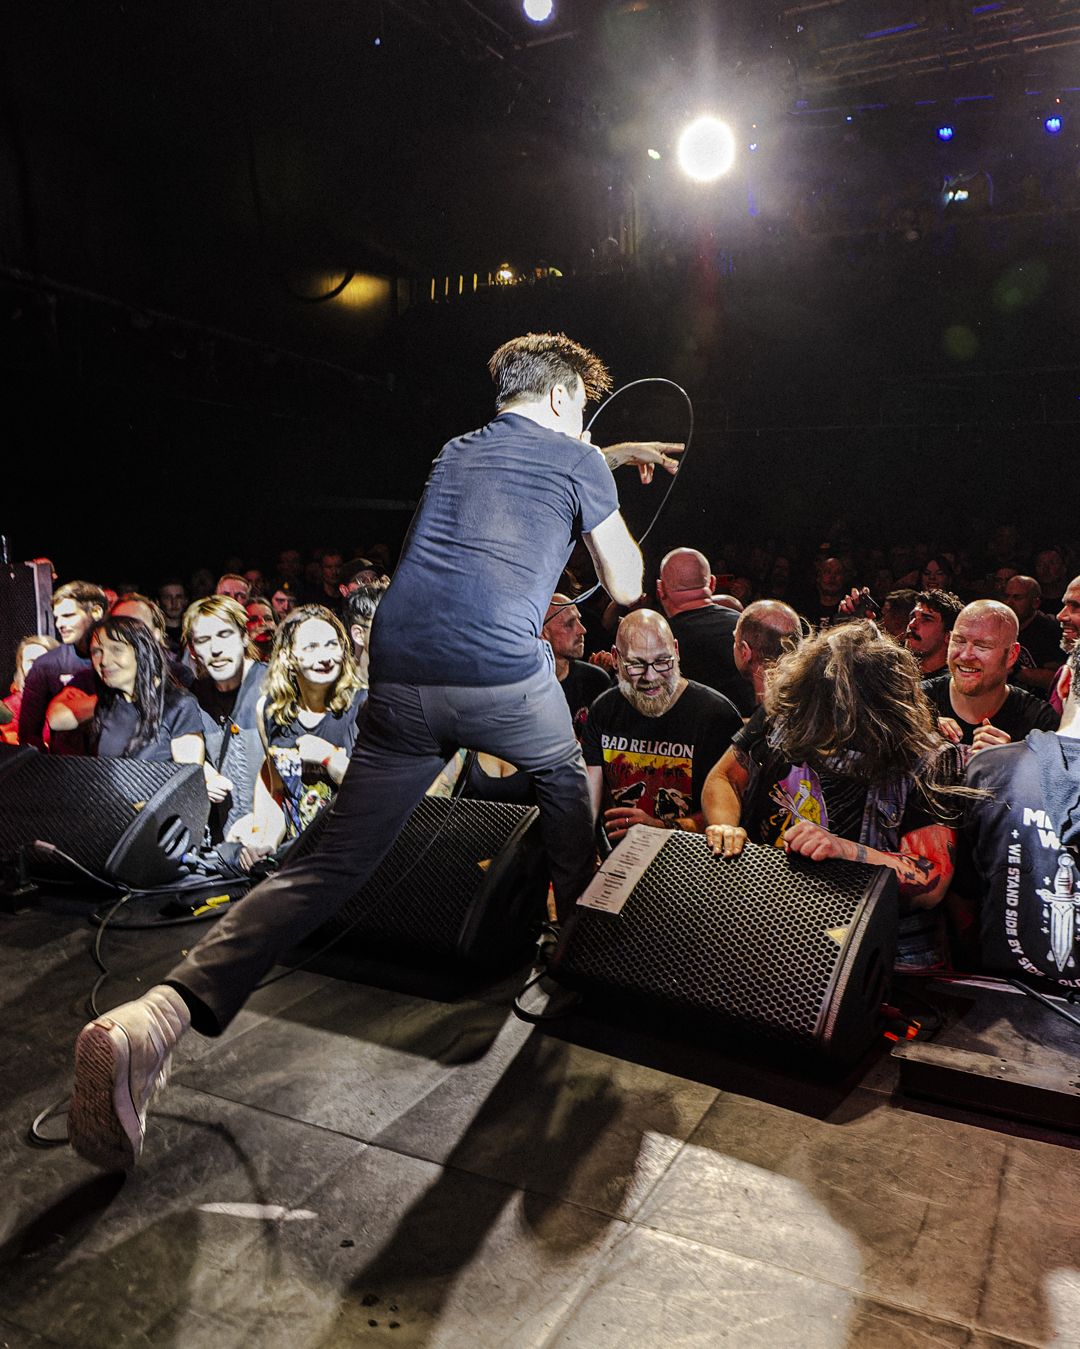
306,718
215,636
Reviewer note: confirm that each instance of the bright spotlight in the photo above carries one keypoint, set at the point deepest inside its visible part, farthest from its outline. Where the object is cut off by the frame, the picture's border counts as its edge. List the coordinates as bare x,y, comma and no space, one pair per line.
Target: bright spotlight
945,133
1052,125
539,11
653,154
706,149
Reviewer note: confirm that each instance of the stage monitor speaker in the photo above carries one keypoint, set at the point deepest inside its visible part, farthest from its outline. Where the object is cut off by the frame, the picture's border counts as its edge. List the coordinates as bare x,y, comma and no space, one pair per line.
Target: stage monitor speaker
128,820
25,609
464,881
782,948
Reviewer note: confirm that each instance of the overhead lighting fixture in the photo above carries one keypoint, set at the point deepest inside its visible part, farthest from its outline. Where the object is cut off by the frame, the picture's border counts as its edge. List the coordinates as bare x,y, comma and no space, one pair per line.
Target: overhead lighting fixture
706,149
1052,125
538,11
653,154
945,133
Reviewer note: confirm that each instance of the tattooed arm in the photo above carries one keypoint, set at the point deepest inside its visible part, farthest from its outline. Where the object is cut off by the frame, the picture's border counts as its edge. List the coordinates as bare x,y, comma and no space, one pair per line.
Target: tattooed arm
924,865
721,802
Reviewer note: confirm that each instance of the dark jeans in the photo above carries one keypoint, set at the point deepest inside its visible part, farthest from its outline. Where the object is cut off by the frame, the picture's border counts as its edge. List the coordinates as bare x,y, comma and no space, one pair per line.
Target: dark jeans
407,733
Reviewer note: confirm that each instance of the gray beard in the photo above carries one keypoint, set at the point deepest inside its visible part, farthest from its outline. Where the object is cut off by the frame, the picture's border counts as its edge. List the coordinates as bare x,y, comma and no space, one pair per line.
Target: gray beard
650,707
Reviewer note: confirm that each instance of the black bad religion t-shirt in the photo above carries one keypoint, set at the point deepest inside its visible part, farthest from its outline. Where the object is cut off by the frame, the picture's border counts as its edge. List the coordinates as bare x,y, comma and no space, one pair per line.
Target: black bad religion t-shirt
659,764
1021,711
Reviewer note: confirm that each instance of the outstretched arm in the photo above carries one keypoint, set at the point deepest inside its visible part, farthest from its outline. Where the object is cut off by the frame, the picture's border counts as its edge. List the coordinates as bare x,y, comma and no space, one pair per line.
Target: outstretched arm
924,863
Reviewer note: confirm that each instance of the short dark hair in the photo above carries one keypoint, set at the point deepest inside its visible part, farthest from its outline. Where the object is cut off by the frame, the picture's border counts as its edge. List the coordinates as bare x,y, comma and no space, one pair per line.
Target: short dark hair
943,602
527,367
361,603
84,593
900,599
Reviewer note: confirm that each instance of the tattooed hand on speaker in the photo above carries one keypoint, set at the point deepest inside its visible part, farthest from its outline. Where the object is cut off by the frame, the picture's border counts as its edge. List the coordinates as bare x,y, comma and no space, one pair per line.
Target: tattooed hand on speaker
923,866
810,840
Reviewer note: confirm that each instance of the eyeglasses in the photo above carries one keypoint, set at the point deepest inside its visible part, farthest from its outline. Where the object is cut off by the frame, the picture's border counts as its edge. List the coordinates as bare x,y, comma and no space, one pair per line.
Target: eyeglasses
636,668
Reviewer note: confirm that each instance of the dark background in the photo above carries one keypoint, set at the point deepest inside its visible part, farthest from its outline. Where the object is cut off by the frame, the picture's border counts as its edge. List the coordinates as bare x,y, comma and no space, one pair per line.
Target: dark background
187,185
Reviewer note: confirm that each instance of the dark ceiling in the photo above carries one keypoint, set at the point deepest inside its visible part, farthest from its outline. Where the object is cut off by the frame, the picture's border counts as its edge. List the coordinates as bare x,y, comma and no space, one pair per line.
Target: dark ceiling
255,136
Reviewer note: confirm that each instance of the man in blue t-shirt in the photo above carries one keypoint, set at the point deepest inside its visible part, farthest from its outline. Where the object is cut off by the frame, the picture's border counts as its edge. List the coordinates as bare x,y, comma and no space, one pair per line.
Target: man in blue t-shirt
456,660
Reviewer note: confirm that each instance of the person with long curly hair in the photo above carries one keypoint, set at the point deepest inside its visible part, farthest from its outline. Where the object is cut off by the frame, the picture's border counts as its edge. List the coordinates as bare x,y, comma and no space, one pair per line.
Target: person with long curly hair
307,720
844,760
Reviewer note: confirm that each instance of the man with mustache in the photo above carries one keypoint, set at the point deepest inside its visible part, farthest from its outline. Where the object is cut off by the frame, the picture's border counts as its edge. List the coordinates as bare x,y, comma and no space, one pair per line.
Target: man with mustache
649,744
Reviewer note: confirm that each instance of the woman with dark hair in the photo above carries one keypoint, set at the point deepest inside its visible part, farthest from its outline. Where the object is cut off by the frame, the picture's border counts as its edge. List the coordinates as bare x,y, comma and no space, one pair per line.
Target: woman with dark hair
307,720
938,574
844,760
138,711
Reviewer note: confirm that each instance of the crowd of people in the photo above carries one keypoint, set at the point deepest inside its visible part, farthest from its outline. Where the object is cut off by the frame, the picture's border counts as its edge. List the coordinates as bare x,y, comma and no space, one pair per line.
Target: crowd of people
924,721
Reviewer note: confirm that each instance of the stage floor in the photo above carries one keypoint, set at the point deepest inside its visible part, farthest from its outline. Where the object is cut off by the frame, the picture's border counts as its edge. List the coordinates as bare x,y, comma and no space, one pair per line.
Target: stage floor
358,1164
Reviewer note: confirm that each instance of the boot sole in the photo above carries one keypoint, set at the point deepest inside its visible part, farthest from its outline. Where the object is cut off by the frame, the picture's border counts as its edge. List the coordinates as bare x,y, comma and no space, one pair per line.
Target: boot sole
103,1124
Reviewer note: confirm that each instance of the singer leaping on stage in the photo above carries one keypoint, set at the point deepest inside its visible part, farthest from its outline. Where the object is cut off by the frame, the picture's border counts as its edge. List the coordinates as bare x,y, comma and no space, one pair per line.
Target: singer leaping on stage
456,660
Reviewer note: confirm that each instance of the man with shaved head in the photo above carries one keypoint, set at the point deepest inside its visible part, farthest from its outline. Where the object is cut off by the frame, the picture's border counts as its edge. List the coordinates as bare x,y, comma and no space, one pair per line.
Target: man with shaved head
649,744
1039,635
975,703
704,629
763,632
580,682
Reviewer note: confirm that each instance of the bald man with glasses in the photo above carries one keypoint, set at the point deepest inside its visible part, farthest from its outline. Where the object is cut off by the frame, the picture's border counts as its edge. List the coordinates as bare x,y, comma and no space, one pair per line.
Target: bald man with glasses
650,742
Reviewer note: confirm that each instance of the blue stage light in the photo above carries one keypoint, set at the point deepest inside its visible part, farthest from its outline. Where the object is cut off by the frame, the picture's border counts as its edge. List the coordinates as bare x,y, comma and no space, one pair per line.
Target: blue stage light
945,133
1053,125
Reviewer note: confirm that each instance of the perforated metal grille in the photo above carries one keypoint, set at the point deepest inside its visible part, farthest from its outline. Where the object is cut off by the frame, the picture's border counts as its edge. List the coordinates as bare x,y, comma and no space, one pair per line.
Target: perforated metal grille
747,941
447,840
80,805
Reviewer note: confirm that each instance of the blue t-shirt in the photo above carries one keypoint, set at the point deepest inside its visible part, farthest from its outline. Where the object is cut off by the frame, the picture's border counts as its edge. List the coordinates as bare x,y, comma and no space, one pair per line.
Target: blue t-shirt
491,536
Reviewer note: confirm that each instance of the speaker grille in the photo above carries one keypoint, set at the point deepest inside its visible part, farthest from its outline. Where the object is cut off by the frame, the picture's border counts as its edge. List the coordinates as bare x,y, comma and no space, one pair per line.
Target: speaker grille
443,842
80,805
746,940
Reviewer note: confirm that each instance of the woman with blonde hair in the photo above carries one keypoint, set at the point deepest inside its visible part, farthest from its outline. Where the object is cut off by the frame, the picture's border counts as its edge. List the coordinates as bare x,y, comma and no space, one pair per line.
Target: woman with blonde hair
307,720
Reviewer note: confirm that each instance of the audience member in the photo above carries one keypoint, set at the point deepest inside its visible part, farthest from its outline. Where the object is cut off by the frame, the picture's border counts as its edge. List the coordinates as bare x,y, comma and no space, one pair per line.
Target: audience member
26,653
283,600
215,634
1051,569
234,587
580,682
327,588
173,599
763,632
927,635
975,704
895,613
1016,873
938,574
1039,636
307,719
76,607
261,626
133,605
650,743
137,710
844,760
360,606
703,630
830,587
